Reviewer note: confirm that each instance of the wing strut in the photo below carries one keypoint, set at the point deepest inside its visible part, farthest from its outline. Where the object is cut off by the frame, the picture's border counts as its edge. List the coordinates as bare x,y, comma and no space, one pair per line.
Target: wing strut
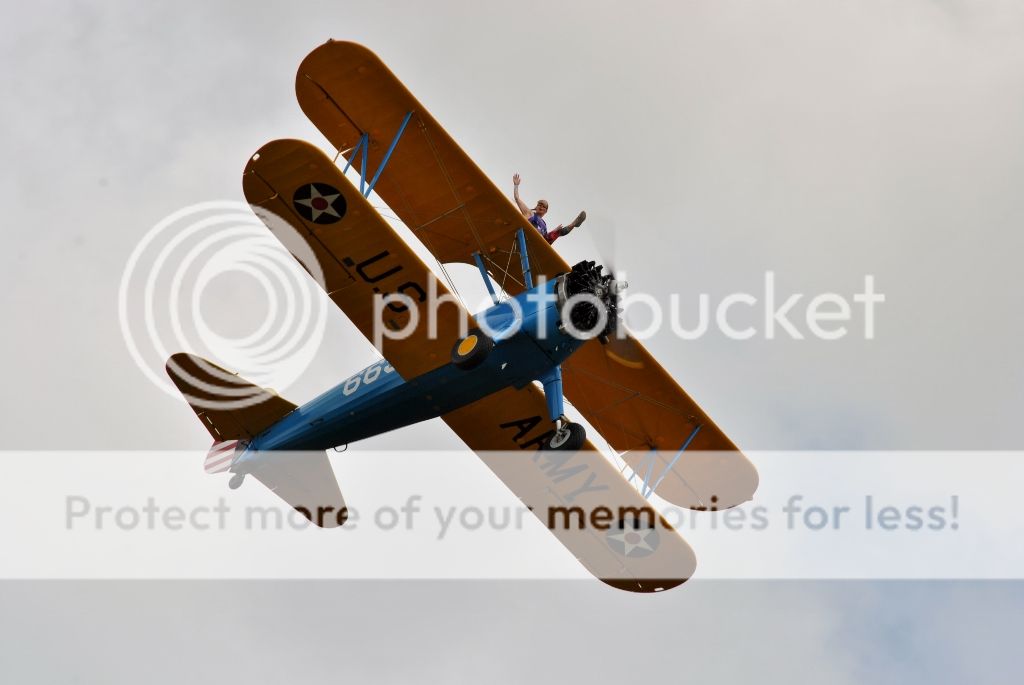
364,146
387,155
478,258
667,469
363,140
524,260
527,275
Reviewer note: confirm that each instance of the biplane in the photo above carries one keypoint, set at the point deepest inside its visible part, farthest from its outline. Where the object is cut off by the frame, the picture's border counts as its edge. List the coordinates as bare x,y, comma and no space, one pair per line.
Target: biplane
499,379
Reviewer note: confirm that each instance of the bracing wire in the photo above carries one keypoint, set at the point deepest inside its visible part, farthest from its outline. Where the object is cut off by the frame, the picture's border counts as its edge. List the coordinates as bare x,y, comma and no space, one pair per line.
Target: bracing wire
447,277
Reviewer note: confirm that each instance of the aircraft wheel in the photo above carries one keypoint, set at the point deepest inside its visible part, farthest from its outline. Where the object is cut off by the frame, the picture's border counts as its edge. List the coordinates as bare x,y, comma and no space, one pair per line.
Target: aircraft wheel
471,351
236,481
570,437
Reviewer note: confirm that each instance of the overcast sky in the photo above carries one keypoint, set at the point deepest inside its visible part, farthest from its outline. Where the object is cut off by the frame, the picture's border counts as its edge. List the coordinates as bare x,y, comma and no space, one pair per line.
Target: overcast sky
824,141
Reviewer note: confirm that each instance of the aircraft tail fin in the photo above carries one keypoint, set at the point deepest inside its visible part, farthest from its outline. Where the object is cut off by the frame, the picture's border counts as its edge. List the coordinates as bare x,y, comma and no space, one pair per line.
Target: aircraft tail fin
229,407
234,411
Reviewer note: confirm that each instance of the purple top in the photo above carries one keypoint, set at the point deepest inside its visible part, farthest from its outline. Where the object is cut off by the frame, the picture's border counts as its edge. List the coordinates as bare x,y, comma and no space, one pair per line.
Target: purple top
539,224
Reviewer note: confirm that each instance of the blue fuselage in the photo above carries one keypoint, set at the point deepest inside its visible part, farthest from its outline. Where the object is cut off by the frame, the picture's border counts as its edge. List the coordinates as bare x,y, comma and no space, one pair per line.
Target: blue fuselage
378,399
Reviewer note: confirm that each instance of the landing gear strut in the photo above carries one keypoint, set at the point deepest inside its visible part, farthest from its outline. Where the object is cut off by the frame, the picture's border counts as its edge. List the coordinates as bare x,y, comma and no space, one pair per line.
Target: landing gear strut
568,436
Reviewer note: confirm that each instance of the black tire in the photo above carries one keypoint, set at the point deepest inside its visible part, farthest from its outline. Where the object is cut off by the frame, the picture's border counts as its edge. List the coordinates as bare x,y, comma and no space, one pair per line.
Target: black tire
570,438
471,351
236,481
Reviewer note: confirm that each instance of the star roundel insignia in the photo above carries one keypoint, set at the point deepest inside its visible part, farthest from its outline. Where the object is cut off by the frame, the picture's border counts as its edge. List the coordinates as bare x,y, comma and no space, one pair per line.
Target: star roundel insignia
632,537
319,203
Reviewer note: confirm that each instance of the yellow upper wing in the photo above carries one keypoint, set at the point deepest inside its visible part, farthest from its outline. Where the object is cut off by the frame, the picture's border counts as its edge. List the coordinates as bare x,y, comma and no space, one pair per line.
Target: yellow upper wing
454,208
337,236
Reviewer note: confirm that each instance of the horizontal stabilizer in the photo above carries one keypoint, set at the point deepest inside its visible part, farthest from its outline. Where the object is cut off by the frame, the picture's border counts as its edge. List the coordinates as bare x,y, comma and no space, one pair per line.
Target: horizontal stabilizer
306,481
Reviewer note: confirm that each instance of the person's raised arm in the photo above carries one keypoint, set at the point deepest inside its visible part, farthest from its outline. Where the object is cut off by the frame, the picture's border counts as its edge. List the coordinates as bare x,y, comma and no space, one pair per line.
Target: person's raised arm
519,203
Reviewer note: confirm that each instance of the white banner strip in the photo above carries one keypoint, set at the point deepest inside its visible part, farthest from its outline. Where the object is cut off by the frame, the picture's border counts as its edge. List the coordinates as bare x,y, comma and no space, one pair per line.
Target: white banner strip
816,515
